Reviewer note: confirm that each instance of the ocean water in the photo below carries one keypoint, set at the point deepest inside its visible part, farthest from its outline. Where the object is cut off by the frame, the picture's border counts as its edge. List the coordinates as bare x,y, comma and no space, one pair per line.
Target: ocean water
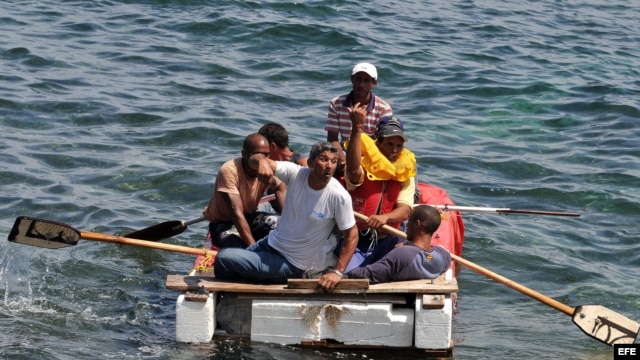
116,114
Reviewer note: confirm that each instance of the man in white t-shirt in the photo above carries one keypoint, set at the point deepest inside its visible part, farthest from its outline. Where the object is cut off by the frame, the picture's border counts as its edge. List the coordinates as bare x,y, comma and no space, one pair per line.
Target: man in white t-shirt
315,203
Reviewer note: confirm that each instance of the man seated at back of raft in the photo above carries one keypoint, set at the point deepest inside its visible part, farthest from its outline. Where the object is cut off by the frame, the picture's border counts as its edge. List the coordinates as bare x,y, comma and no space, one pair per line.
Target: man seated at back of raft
236,196
278,139
279,150
414,259
316,203
380,176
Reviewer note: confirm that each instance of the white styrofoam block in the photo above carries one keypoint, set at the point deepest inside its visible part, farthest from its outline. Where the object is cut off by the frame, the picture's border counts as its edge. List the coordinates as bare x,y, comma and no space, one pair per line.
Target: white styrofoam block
195,321
291,322
433,326
449,274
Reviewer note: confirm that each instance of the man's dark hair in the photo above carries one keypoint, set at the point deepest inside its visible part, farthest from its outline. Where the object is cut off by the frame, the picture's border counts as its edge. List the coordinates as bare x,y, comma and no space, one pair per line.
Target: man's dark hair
321,147
429,218
275,133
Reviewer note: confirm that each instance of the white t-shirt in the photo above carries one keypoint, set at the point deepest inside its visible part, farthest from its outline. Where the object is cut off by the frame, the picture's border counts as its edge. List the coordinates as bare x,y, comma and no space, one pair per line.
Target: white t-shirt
308,216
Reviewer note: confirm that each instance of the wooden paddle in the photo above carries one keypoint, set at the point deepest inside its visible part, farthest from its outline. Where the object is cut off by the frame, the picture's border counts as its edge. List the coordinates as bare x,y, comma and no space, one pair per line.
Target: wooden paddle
503,210
52,235
596,321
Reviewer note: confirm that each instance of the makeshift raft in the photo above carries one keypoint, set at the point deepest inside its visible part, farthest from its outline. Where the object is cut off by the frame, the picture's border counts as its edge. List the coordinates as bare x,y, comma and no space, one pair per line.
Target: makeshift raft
409,315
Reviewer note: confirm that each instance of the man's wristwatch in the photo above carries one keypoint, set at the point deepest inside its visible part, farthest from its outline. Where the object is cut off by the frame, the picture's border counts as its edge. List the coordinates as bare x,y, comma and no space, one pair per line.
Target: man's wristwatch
335,271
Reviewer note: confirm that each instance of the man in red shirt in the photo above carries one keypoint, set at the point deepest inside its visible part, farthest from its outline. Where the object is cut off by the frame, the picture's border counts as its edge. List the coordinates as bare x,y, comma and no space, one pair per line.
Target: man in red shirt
385,201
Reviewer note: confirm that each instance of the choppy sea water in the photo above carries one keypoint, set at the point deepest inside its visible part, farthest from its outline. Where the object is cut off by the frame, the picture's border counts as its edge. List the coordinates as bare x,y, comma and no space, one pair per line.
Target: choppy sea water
115,115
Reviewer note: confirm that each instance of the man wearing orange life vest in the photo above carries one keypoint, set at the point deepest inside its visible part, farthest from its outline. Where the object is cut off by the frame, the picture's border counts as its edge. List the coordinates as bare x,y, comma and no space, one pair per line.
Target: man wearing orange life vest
380,177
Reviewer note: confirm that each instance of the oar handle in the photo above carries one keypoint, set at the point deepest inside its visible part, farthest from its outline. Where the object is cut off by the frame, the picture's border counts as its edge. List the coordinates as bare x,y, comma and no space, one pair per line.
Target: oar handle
503,210
144,243
194,221
514,285
490,274
538,212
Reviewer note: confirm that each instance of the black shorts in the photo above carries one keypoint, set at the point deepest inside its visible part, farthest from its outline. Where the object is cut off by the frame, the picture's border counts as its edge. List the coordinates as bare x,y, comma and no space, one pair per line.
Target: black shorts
261,223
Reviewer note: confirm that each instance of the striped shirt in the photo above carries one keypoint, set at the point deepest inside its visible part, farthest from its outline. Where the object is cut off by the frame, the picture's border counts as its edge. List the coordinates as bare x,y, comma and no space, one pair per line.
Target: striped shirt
338,118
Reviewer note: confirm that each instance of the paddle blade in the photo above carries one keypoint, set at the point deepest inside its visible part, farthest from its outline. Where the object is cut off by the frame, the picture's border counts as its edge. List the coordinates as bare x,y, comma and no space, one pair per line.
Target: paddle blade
43,233
160,231
605,325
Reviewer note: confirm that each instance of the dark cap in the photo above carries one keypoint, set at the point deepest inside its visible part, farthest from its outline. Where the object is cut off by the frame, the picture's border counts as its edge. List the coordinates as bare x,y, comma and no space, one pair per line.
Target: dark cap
390,126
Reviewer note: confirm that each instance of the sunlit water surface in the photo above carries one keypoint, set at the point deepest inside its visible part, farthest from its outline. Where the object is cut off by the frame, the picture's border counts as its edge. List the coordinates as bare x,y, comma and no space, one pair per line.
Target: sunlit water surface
116,114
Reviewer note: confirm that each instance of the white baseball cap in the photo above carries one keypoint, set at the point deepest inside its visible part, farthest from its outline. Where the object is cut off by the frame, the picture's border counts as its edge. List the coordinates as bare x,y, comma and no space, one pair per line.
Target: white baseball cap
367,68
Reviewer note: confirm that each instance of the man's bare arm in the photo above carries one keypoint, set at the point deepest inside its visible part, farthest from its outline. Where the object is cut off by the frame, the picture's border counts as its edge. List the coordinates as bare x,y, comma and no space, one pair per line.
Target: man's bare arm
264,166
354,171
280,192
331,278
239,220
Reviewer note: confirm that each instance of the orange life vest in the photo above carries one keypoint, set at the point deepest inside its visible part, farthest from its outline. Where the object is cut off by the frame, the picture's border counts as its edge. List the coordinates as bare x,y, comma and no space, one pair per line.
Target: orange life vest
367,197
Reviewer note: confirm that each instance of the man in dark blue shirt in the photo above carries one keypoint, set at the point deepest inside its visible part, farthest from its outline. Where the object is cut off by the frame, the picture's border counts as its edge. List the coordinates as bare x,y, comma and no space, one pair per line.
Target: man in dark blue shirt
416,258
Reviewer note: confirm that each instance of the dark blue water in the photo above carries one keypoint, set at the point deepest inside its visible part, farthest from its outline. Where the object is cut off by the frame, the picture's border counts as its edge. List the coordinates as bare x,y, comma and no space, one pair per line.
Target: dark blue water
115,115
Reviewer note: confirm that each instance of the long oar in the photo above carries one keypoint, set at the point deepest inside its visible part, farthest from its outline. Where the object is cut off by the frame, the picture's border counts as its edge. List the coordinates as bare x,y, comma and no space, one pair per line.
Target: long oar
163,230
503,210
596,321
52,235
171,228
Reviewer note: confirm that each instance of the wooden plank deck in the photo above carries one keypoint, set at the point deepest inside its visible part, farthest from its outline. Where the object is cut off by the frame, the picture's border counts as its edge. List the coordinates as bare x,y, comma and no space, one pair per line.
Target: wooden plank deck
308,286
